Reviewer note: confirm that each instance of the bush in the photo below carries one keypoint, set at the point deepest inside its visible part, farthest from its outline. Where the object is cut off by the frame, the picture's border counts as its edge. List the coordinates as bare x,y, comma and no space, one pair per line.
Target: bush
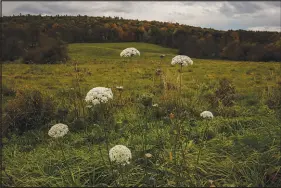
7,91
49,51
28,110
224,94
274,101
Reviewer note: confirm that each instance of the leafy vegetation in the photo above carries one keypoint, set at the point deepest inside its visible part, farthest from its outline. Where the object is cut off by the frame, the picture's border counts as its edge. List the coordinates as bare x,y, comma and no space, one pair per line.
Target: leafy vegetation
240,146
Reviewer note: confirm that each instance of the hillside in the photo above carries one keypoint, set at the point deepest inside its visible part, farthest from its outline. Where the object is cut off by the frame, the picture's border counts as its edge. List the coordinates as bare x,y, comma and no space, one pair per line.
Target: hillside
40,39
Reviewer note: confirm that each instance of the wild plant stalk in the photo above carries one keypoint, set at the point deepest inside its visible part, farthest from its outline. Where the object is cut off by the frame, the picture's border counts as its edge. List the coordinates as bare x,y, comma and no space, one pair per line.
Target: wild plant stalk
64,158
178,144
75,106
204,141
158,130
120,168
160,68
164,85
153,81
105,129
183,161
122,76
103,109
120,96
145,142
75,94
81,100
109,163
176,127
145,168
180,78
158,73
101,155
78,99
145,130
10,177
125,70
184,149
121,84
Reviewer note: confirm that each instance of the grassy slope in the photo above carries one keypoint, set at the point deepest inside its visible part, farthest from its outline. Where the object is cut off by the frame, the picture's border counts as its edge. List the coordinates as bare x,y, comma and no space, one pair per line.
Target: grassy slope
239,156
103,61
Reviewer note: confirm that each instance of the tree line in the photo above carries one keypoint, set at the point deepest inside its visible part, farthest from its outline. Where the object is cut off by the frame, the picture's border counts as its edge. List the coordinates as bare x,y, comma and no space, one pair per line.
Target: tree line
44,39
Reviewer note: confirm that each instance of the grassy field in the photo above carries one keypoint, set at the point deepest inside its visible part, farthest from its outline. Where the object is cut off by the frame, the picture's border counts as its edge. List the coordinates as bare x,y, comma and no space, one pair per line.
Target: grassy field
240,146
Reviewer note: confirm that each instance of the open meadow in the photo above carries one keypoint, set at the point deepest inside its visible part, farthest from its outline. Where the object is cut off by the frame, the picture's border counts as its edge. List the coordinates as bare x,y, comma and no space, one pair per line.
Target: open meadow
156,114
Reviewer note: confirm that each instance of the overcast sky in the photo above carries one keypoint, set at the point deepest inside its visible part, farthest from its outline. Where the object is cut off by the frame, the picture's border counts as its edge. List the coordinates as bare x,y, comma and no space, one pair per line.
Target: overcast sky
223,15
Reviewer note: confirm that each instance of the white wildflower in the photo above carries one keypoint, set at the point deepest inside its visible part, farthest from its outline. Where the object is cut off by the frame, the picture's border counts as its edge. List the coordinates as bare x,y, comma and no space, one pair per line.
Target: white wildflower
182,60
207,114
119,87
155,105
148,155
58,130
98,95
120,154
129,52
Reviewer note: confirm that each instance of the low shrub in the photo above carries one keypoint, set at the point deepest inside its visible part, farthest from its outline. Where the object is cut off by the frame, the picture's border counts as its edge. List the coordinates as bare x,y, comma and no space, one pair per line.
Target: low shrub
28,110
274,101
7,91
224,94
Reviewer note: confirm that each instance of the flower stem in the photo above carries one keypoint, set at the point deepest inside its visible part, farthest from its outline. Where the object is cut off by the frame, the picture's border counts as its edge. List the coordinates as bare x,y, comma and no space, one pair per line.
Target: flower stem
180,78
204,141
72,178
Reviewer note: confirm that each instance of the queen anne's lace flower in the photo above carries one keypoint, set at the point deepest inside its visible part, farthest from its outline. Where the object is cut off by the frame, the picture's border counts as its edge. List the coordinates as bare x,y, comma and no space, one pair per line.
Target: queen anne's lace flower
98,95
120,154
58,130
207,114
182,60
129,52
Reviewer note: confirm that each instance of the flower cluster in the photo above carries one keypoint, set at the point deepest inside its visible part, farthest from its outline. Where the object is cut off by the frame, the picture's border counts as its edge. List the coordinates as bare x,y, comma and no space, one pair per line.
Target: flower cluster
129,52
58,130
98,95
182,60
207,114
120,154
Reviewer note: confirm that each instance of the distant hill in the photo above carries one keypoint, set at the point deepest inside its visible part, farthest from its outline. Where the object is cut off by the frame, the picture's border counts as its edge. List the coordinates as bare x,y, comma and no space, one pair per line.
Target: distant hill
43,39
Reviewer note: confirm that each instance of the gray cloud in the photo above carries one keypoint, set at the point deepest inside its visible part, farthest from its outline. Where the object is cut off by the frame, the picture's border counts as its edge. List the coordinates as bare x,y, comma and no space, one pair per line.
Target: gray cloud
71,8
247,7
46,8
117,7
231,8
218,15
187,3
182,14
